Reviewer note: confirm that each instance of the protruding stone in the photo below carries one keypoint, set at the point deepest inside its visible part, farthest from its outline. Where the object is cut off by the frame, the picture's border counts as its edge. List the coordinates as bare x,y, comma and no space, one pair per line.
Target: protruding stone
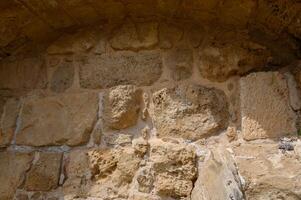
122,106
180,63
120,68
265,106
13,167
58,120
135,36
9,121
45,172
189,111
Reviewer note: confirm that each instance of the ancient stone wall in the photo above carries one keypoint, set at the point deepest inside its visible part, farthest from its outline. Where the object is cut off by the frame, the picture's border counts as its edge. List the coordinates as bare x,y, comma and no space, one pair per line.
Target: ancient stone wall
151,110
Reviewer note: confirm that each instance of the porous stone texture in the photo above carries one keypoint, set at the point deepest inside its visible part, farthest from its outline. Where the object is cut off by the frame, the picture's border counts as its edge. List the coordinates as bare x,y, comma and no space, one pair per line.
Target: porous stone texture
150,100
189,111
121,106
45,172
13,167
120,68
266,113
57,120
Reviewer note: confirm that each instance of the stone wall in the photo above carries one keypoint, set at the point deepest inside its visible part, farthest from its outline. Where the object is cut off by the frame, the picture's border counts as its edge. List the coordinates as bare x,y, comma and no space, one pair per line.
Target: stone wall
150,110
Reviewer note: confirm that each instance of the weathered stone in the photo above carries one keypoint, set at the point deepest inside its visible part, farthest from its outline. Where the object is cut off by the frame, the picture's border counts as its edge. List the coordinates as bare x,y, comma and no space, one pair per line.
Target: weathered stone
189,111
121,106
119,139
45,172
9,121
27,73
120,68
135,36
169,35
13,167
174,167
230,55
268,173
217,171
180,63
145,180
265,107
57,120
62,78
81,41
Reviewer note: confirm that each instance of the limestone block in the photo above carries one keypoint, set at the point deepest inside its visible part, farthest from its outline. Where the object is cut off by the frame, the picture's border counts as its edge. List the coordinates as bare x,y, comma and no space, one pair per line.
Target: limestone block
45,172
180,63
265,106
120,68
121,106
13,167
9,121
62,78
57,120
189,111
169,35
135,36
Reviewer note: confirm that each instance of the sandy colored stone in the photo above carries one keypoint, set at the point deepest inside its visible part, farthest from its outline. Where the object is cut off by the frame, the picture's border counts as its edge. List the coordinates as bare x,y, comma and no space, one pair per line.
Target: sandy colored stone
27,73
9,121
62,78
218,170
44,174
57,120
269,173
81,41
121,106
265,107
13,167
189,111
134,36
169,35
180,63
174,167
120,68
229,54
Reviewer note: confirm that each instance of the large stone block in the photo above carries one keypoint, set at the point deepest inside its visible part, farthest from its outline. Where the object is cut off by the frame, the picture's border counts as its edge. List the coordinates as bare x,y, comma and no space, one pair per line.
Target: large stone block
120,68
121,106
135,36
13,167
45,172
265,106
58,120
28,73
189,111
9,121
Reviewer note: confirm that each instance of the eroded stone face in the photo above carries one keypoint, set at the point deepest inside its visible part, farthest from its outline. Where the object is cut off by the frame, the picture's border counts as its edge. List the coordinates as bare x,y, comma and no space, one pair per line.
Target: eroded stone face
13,167
189,111
135,36
119,68
45,172
62,78
121,106
265,106
57,120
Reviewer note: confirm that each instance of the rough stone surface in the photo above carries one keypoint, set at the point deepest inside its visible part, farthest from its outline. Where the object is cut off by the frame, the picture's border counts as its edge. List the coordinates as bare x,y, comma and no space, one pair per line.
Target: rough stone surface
44,174
218,170
266,113
62,78
269,174
180,63
27,73
57,120
143,68
189,111
121,106
169,35
135,36
13,167
9,121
